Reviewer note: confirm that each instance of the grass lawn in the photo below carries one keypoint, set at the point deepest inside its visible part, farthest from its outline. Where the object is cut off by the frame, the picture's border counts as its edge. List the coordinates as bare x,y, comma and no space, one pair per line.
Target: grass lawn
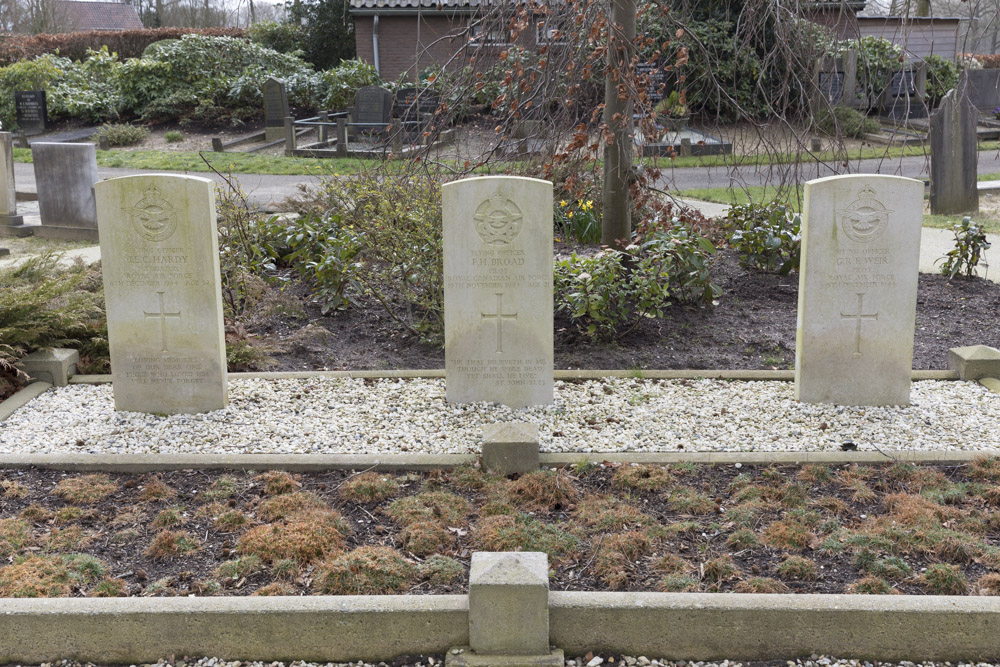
235,163
871,152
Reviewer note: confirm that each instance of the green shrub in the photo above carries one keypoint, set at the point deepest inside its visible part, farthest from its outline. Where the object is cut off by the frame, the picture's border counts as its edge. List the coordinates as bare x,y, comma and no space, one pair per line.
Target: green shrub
942,76
396,219
877,58
846,122
578,222
121,134
970,242
25,75
247,251
766,236
322,250
341,81
280,37
173,136
43,305
609,294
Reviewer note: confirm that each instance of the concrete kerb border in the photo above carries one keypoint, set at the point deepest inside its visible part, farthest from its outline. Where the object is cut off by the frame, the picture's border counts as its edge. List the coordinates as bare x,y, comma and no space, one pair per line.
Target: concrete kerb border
688,626
21,398
304,463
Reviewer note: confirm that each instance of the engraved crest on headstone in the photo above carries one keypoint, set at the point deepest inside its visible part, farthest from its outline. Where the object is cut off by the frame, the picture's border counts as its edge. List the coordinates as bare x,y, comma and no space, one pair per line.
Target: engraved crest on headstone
866,218
153,217
498,220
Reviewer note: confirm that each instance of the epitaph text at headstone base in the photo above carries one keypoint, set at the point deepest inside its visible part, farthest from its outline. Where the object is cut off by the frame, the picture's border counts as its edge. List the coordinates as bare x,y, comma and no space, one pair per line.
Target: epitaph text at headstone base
858,290
498,290
65,175
954,155
160,262
30,110
275,109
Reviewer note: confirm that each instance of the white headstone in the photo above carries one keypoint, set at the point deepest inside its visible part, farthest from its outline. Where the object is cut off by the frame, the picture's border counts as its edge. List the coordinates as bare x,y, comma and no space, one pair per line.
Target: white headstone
498,290
858,290
160,259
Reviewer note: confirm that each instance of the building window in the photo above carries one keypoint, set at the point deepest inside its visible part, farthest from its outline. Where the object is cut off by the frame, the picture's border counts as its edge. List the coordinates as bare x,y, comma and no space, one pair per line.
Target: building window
480,35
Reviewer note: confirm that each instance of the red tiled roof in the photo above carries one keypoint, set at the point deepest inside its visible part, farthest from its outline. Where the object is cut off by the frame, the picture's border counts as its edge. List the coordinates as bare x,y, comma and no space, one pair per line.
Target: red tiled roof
99,15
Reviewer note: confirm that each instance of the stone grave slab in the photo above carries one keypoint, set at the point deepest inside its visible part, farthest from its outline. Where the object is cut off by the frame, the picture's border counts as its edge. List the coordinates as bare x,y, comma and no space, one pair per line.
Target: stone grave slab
31,111
275,109
11,224
65,175
372,104
858,290
498,290
954,155
160,258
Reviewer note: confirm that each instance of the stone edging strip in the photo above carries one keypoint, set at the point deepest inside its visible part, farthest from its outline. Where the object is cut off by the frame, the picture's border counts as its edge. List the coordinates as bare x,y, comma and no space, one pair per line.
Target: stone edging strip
676,626
16,401
750,375
143,463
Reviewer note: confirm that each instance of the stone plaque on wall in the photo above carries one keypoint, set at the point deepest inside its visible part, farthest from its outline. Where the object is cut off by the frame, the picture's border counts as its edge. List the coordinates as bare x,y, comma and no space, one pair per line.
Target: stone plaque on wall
498,290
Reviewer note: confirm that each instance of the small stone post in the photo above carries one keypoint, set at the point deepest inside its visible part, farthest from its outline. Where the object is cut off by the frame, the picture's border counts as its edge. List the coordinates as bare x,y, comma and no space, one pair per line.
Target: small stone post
396,137
510,447
974,362
342,137
508,613
324,117
686,147
289,135
217,145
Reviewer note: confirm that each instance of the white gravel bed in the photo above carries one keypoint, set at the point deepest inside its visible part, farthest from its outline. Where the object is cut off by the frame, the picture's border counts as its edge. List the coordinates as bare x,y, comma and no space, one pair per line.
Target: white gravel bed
330,415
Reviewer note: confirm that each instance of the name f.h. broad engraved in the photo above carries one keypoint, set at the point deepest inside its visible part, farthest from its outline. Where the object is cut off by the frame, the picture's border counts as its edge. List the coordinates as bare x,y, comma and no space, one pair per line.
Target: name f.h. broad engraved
162,315
499,316
858,317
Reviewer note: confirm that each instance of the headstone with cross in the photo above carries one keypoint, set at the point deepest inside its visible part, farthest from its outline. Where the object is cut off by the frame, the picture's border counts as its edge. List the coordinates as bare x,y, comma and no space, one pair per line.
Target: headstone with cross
858,290
160,261
498,290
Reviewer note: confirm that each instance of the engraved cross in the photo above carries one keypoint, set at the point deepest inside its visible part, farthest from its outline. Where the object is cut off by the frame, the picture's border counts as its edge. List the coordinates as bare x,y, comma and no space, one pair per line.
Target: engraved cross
857,317
499,316
163,321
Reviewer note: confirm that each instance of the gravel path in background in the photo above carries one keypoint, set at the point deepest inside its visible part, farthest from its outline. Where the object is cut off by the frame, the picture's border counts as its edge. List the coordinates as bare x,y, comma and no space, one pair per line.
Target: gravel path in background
332,415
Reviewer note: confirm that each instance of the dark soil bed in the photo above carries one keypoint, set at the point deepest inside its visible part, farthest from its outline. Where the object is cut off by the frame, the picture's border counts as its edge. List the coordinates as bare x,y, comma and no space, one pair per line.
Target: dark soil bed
861,529
752,327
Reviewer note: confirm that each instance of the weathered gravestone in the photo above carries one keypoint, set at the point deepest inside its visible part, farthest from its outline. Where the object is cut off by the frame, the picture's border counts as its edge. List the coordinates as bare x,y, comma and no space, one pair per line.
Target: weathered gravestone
954,155
64,178
31,111
275,109
498,290
858,290
836,78
904,98
372,105
160,259
416,109
11,224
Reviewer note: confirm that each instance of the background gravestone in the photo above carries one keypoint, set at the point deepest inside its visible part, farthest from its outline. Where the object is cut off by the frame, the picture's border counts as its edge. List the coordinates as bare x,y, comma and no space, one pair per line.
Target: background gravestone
372,104
498,290
64,178
160,261
954,154
31,111
275,109
11,224
858,290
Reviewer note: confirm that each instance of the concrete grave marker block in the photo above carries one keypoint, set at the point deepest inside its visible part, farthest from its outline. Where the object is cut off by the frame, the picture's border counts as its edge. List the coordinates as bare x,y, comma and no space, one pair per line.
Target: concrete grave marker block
510,447
54,366
11,224
974,362
858,290
160,256
65,175
508,613
498,290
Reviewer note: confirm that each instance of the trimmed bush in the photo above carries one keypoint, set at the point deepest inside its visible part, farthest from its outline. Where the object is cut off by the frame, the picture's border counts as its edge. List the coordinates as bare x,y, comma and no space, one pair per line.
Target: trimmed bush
121,134
846,122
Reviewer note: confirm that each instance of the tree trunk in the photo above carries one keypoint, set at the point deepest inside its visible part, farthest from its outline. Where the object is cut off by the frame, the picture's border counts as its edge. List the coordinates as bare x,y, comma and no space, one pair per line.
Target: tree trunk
616,222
